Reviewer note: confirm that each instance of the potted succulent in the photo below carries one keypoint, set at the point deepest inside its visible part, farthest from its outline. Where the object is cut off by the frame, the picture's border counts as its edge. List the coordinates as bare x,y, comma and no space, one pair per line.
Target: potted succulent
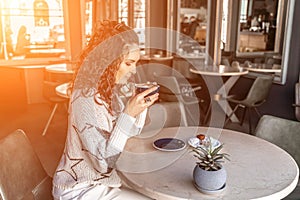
209,173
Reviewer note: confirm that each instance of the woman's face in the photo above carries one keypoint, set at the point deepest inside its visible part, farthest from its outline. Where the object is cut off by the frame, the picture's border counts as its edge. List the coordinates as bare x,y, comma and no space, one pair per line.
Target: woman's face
128,66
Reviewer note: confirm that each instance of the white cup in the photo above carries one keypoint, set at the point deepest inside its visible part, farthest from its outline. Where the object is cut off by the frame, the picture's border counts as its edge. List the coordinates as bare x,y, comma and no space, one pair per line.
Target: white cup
196,51
221,68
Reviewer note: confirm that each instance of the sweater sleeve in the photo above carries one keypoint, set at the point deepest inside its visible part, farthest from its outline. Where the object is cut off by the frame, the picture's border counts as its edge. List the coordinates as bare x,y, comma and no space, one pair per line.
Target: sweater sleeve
101,139
126,127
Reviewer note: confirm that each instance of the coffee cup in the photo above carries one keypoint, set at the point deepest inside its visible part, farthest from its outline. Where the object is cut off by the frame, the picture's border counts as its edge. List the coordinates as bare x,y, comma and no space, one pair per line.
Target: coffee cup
141,87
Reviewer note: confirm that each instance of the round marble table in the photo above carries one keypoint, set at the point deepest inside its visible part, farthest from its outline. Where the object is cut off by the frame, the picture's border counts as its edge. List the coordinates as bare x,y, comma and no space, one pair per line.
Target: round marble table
221,70
263,68
63,90
257,169
59,72
61,68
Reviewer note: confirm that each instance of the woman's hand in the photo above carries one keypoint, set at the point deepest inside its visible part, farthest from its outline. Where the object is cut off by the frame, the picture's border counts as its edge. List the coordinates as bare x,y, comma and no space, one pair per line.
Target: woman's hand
138,103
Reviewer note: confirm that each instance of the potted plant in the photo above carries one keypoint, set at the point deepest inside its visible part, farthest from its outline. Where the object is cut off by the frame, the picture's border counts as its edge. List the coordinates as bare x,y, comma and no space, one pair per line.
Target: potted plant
209,173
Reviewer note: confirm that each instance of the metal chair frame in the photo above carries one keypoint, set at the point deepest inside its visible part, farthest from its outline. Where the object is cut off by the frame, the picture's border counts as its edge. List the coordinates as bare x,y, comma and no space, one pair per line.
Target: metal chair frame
176,94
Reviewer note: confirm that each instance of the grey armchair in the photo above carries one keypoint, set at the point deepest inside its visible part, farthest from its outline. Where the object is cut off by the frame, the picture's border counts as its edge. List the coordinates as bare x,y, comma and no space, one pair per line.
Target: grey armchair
284,133
256,96
22,175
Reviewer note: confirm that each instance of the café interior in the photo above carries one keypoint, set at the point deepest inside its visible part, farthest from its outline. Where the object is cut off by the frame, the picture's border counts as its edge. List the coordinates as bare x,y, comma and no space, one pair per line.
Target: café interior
228,65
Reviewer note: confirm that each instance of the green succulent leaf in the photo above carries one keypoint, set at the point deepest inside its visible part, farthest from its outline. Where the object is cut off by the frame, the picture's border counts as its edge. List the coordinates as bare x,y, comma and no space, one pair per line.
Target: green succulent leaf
210,158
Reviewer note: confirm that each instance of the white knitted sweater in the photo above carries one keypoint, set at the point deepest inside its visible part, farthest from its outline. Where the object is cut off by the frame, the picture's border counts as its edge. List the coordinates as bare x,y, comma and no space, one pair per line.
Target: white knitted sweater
94,142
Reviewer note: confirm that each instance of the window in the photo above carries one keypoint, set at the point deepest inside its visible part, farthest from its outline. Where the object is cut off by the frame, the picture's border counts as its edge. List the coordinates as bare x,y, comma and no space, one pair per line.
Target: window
123,11
88,19
31,29
224,23
244,6
133,13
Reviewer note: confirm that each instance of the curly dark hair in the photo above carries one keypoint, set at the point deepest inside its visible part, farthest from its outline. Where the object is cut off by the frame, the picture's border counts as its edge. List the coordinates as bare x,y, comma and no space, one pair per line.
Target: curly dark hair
111,39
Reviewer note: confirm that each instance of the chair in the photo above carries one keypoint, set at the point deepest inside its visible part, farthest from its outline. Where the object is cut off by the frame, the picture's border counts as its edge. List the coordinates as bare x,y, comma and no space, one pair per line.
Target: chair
22,175
256,96
173,91
50,94
158,68
182,67
225,61
161,115
284,133
188,80
297,101
167,61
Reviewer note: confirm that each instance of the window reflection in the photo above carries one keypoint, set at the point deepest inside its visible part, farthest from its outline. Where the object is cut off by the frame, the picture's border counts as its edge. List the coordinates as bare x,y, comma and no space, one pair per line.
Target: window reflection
258,25
193,23
88,19
260,36
134,16
31,29
41,13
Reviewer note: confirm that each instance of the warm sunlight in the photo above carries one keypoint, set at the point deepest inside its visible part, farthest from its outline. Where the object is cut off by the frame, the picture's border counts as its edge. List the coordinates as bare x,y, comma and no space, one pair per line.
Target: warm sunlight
31,22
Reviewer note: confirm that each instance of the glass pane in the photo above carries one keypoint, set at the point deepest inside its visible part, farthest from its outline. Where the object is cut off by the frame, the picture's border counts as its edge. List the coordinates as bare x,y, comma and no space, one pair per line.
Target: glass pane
88,19
193,23
138,21
123,11
139,14
244,5
31,29
258,29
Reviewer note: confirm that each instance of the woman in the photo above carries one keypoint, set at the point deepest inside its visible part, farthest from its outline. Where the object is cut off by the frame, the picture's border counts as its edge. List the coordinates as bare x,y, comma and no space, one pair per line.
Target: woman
101,119
22,41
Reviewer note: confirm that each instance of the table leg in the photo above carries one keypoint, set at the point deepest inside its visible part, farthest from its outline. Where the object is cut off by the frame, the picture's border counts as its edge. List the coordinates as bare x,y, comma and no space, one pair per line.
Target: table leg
223,92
